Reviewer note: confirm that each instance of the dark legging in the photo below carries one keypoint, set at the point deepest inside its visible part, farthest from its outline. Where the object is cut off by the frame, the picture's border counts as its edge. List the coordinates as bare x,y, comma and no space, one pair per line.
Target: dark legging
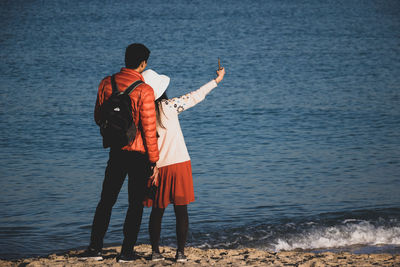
182,224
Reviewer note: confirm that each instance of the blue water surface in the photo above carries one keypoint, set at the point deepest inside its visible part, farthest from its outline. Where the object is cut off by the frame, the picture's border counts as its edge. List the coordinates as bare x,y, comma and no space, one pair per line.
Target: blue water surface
297,148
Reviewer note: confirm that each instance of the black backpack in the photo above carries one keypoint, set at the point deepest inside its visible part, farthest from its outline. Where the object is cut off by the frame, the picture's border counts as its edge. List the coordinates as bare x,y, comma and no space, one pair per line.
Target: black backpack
116,124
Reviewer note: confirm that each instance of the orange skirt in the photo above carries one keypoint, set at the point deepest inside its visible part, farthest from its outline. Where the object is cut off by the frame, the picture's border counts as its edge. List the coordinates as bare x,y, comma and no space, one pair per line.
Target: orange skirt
175,186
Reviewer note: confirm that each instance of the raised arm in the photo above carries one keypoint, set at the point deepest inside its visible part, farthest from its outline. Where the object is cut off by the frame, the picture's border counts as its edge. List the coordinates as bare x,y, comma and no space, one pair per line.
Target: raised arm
189,100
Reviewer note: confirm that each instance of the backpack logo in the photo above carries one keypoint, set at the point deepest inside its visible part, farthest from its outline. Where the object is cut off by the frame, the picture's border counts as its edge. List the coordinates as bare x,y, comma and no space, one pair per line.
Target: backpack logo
117,109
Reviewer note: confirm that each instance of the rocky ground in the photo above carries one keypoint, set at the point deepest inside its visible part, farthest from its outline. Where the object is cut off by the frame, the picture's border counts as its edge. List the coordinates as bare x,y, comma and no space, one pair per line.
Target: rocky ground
216,257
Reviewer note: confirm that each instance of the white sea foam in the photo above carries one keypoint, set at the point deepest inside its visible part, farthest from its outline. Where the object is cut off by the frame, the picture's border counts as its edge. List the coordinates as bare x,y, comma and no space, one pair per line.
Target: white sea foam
346,234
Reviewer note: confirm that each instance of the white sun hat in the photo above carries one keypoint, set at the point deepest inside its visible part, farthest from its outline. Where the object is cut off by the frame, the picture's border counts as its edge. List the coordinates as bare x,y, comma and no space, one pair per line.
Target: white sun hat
158,82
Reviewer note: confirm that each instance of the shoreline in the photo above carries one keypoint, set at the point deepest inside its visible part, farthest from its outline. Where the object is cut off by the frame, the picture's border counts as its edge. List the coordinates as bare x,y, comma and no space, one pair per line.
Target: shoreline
216,257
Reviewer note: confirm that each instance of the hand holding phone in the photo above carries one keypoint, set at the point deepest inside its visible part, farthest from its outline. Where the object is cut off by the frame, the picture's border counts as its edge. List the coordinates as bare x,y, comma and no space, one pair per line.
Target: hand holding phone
220,72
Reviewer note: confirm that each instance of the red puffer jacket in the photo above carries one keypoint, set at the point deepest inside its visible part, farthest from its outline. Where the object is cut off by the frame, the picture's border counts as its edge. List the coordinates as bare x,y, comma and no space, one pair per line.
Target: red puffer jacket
143,109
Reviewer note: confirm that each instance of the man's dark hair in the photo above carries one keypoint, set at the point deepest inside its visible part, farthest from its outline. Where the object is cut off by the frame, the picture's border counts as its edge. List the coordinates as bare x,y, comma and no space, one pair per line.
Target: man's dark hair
135,54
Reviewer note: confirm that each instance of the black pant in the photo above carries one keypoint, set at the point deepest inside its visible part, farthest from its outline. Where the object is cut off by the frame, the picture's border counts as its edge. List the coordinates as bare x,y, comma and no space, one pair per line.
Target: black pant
120,163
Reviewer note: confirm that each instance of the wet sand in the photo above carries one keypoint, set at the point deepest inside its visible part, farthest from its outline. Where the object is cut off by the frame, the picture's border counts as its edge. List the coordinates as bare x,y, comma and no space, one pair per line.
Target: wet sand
216,257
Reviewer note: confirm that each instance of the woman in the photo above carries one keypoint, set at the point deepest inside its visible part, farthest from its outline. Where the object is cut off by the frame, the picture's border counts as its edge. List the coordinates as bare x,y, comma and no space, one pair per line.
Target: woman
175,183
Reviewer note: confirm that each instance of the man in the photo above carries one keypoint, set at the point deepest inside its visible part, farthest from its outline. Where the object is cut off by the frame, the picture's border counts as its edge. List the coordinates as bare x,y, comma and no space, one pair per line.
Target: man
137,159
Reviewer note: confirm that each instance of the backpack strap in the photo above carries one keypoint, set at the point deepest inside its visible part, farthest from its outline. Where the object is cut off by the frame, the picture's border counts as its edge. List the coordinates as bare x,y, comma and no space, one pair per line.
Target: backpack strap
114,84
127,90
132,87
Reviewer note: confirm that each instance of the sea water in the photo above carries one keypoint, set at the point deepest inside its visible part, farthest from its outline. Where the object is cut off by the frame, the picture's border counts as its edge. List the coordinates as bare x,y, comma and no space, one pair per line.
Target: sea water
297,148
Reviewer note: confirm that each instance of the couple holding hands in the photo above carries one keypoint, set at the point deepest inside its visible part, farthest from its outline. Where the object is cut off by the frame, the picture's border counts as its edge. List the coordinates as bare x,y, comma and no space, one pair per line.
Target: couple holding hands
158,151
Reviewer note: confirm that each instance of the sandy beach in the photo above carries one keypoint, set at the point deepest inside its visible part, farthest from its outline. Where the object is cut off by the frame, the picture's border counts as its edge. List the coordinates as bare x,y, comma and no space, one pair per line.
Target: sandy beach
216,257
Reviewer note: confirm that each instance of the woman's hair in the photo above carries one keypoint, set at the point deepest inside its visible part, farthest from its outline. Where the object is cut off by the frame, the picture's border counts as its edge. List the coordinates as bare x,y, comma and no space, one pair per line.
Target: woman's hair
159,108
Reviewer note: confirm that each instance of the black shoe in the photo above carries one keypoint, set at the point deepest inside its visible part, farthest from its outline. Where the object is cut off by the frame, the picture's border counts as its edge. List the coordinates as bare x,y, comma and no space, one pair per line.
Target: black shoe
180,257
156,256
91,254
126,258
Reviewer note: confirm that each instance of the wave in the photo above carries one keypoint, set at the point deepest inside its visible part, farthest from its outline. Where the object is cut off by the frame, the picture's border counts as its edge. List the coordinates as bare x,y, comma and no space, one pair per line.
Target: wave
349,233
363,230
